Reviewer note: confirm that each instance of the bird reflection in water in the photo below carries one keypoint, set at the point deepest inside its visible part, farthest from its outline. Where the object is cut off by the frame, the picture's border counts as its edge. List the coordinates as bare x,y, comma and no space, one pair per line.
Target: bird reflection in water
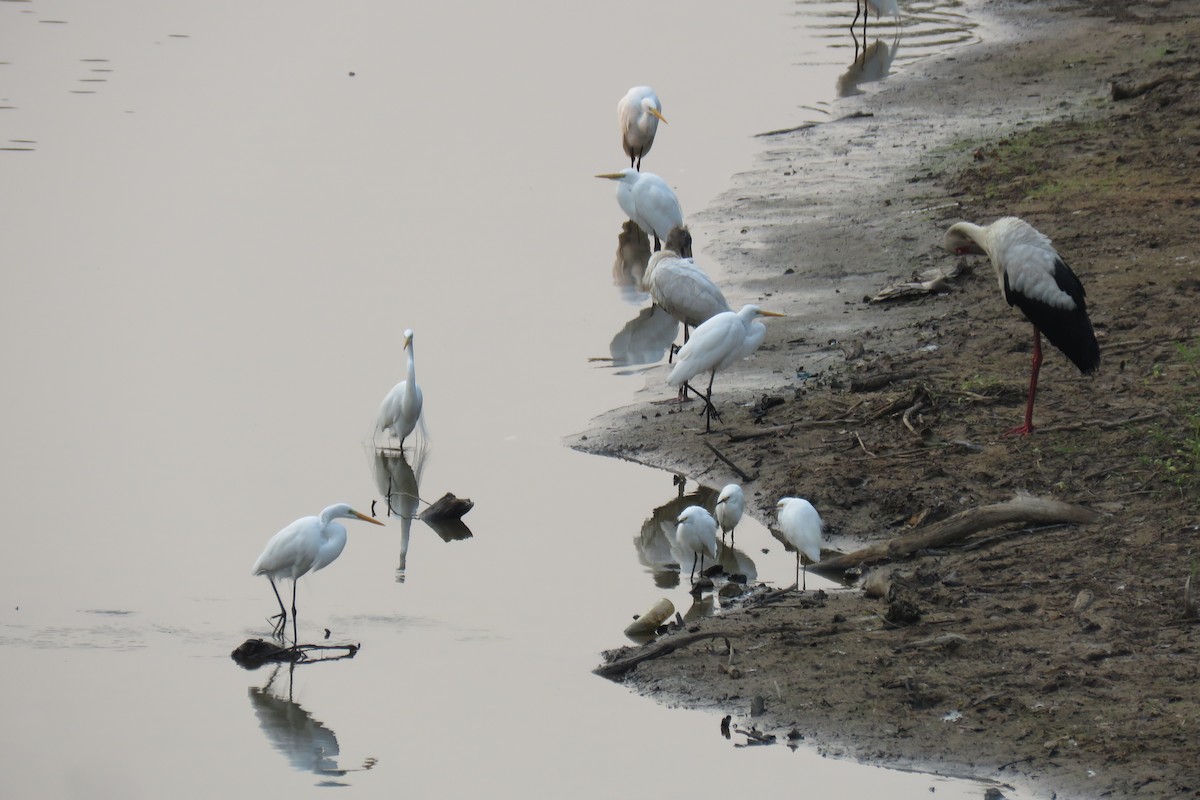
874,63
398,483
645,338
629,267
661,555
307,743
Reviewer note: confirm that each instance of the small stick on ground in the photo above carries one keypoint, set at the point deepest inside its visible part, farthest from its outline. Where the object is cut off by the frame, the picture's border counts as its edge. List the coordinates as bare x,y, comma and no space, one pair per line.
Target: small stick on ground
741,473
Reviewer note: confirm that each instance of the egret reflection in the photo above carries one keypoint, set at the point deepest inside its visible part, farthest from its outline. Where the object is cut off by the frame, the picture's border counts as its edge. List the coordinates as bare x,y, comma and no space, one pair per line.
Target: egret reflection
308,744
660,553
645,339
629,266
398,483
873,64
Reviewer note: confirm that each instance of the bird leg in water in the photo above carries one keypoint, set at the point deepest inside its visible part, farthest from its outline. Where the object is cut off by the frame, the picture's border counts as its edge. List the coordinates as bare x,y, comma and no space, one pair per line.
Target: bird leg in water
295,636
1027,428
282,615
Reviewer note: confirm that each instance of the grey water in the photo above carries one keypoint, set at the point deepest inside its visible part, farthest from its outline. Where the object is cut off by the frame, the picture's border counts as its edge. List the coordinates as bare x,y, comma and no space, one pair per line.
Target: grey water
218,219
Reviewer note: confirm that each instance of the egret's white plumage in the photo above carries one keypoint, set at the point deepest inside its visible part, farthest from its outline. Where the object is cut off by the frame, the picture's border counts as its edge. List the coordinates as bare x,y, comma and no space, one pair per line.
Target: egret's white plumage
647,200
1034,278
401,408
731,502
308,544
638,115
696,532
723,340
801,527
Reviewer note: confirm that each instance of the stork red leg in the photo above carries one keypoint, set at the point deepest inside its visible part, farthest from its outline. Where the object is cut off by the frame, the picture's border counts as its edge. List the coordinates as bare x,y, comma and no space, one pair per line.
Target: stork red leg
1027,428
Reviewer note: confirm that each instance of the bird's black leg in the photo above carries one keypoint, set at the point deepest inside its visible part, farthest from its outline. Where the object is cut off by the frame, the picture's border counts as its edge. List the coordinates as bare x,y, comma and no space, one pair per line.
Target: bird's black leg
657,243
692,577
295,636
857,9
282,615
709,410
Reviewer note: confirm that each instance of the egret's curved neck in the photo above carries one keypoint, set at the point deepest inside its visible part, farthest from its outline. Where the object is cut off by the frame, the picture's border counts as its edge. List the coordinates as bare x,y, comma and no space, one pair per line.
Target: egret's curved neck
411,387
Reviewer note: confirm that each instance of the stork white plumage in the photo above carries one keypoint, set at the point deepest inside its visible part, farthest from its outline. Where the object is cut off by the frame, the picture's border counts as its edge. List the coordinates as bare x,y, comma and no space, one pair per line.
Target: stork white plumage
715,345
696,531
308,544
731,502
679,286
647,200
638,115
1034,278
401,408
801,527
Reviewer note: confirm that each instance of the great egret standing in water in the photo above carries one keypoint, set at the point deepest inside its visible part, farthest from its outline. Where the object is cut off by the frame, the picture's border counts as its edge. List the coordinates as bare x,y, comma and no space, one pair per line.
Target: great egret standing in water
647,200
638,114
880,7
722,341
308,544
696,531
401,408
1035,279
801,527
731,502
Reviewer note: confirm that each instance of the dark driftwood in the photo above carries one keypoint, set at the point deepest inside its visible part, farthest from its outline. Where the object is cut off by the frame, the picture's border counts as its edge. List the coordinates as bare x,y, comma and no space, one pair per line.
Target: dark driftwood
615,669
1023,509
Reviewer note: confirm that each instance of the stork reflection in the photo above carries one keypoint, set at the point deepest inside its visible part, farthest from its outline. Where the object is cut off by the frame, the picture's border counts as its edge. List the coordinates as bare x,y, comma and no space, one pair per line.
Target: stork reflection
308,744
660,553
629,267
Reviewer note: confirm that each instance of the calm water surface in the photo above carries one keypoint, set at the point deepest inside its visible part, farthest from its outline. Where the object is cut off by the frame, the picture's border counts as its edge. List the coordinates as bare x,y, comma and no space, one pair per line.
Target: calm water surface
218,219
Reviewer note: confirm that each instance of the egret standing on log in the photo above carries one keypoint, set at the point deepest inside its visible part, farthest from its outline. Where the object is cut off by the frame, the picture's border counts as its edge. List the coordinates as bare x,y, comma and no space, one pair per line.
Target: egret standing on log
696,531
638,114
1035,279
647,200
722,341
731,502
401,408
309,543
801,527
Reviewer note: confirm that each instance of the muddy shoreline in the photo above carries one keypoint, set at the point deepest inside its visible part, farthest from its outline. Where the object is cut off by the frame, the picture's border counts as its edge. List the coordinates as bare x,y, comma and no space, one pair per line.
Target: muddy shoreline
1060,659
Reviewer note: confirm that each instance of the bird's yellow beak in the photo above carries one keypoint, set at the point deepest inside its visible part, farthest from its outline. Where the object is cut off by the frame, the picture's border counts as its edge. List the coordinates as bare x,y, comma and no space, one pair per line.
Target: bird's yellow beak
612,176
657,113
771,313
365,518
407,342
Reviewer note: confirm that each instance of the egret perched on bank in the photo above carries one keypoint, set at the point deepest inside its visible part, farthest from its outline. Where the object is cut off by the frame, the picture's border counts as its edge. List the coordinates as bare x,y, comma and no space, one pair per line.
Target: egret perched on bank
1035,279
801,527
638,114
647,200
681,288
730,504
720,342
308,544
696,531
401,408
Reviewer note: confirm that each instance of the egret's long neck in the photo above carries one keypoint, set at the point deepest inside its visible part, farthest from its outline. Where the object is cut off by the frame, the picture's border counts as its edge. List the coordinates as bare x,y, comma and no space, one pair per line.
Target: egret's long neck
410,387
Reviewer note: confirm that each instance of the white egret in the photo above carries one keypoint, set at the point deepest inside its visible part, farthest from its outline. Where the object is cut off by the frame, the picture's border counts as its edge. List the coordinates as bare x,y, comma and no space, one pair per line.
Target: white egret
721,341
647,200
880,7
730,504
401,408
638,114
801,527
308,544
1034,278
696,531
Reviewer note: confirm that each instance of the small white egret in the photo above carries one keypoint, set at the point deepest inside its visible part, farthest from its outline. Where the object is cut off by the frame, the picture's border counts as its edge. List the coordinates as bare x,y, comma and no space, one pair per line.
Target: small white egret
401,408
308,544
647,200
696,531
1035,279
731,502
721,341
638,114
801,527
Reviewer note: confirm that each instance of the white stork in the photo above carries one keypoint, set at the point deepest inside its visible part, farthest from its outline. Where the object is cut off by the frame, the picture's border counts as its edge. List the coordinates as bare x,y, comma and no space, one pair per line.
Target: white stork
638,114
1035,279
